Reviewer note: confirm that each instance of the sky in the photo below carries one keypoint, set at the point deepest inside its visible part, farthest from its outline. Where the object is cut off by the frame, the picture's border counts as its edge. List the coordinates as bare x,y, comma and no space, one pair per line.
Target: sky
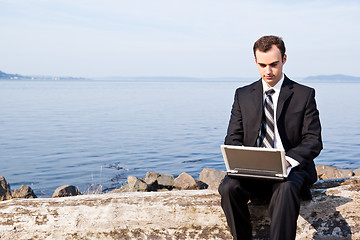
185,38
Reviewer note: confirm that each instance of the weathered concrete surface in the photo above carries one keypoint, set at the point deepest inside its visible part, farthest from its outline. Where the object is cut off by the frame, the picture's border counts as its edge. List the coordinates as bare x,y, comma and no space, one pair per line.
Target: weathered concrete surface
332,214
152,215
191,214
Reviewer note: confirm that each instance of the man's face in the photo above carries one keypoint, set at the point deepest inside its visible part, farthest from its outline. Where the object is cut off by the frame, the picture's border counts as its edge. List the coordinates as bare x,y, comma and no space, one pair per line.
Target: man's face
270,65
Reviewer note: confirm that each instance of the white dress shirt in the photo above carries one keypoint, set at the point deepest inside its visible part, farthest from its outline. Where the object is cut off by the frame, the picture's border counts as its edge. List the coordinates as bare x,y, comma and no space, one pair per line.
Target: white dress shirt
277,140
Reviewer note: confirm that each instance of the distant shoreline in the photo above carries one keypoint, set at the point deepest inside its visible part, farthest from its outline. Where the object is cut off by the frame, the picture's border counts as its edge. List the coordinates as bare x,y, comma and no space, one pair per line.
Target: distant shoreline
316,78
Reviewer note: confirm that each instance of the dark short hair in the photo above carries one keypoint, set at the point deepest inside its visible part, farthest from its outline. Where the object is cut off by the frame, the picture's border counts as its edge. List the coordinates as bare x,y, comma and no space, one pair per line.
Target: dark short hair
265,43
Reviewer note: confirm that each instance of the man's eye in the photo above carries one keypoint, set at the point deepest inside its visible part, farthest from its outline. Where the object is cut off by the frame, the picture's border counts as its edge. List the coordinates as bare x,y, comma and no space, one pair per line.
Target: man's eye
262,65
273,65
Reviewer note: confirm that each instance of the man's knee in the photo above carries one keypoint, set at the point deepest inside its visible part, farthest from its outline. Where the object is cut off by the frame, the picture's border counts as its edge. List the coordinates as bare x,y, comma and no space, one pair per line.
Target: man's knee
232,187
228,185
288,188
225,186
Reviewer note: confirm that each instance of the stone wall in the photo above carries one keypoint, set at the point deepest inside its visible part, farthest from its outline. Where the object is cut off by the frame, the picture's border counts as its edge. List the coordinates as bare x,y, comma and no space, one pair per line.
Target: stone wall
187,214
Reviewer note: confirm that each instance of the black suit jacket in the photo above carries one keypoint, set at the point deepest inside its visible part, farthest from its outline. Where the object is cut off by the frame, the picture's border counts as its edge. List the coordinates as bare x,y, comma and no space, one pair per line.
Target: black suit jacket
297,120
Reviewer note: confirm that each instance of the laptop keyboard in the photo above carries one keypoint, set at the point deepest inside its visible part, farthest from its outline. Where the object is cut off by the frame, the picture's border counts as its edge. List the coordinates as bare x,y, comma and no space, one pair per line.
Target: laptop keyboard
255,171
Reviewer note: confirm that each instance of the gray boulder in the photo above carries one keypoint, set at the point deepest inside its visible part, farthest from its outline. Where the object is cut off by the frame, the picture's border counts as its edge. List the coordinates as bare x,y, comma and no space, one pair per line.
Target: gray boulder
326,172
165,180
133,185
185,182
212,177
136,185
23,192
151,181
66,191
5,192
357,172
159,180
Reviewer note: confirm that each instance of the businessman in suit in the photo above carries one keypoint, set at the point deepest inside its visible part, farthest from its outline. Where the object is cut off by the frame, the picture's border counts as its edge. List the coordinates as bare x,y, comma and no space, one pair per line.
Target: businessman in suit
295,127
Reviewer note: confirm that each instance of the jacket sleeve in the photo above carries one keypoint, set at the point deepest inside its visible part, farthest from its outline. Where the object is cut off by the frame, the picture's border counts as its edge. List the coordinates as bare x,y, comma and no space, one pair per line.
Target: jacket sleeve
235,131
310,144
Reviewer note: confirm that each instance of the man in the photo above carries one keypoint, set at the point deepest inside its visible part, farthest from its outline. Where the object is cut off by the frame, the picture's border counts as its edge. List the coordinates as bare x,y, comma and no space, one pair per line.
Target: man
295,128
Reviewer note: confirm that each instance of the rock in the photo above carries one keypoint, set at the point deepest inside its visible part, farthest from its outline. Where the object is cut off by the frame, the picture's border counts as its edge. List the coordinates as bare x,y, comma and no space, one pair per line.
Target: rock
152,183
5,192
151,178
212,177
66,191
357,172
186,182
149,183
134,185
201,184
164,180
332,214
352,183
326,172
23,192
157,181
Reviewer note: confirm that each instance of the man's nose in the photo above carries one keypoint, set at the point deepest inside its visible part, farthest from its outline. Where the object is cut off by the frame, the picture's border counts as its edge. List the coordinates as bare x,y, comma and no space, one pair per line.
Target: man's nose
268,70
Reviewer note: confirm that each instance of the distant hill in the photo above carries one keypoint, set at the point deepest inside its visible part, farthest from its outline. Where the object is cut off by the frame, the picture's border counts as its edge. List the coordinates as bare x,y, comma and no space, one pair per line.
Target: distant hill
8,76
11,76
333,78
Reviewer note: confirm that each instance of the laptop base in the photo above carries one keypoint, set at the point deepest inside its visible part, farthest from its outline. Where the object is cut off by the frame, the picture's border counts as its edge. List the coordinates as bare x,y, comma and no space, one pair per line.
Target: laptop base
257,177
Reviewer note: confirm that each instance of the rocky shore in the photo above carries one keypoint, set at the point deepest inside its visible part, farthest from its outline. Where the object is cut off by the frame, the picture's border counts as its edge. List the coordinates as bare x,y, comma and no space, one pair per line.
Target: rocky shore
153,208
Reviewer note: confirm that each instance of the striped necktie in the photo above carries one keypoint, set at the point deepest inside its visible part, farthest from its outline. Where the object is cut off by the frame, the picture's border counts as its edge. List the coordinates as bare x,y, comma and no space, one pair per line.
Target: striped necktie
268,121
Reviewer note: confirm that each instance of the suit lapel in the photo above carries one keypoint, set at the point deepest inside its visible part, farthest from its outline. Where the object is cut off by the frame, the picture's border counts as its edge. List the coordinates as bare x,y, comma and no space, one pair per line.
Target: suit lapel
257,98
258,92
285,93
256,108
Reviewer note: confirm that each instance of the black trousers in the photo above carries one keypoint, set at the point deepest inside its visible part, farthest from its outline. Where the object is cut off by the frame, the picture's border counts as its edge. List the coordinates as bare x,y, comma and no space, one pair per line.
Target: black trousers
283,208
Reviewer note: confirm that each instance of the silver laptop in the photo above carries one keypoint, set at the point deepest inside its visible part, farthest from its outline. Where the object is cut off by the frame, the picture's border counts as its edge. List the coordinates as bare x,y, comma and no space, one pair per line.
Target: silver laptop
254,162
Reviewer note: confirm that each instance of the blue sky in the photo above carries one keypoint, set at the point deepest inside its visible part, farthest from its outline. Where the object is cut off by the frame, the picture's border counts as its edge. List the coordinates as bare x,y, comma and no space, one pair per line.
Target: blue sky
195,38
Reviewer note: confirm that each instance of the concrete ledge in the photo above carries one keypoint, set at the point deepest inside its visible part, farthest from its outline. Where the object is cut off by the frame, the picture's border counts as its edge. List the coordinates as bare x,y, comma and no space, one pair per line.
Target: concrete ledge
332,214
191,214
152,215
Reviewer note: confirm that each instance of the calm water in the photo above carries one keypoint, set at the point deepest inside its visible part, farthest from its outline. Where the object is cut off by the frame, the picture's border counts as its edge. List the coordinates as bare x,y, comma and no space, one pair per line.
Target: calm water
86,133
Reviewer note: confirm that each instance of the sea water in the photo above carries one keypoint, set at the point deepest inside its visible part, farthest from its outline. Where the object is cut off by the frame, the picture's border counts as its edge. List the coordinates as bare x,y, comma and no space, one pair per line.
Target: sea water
90,133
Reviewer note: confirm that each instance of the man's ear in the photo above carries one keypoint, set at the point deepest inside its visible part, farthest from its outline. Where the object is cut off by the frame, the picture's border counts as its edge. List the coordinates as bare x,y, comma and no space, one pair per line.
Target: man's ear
284,59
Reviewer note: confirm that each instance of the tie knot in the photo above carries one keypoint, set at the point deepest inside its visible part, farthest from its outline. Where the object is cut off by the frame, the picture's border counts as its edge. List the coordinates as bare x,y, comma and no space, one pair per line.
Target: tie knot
270,92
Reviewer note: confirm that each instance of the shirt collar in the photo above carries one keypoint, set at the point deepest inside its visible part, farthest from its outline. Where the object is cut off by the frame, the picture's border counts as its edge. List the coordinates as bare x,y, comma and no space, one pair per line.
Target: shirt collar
277,86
